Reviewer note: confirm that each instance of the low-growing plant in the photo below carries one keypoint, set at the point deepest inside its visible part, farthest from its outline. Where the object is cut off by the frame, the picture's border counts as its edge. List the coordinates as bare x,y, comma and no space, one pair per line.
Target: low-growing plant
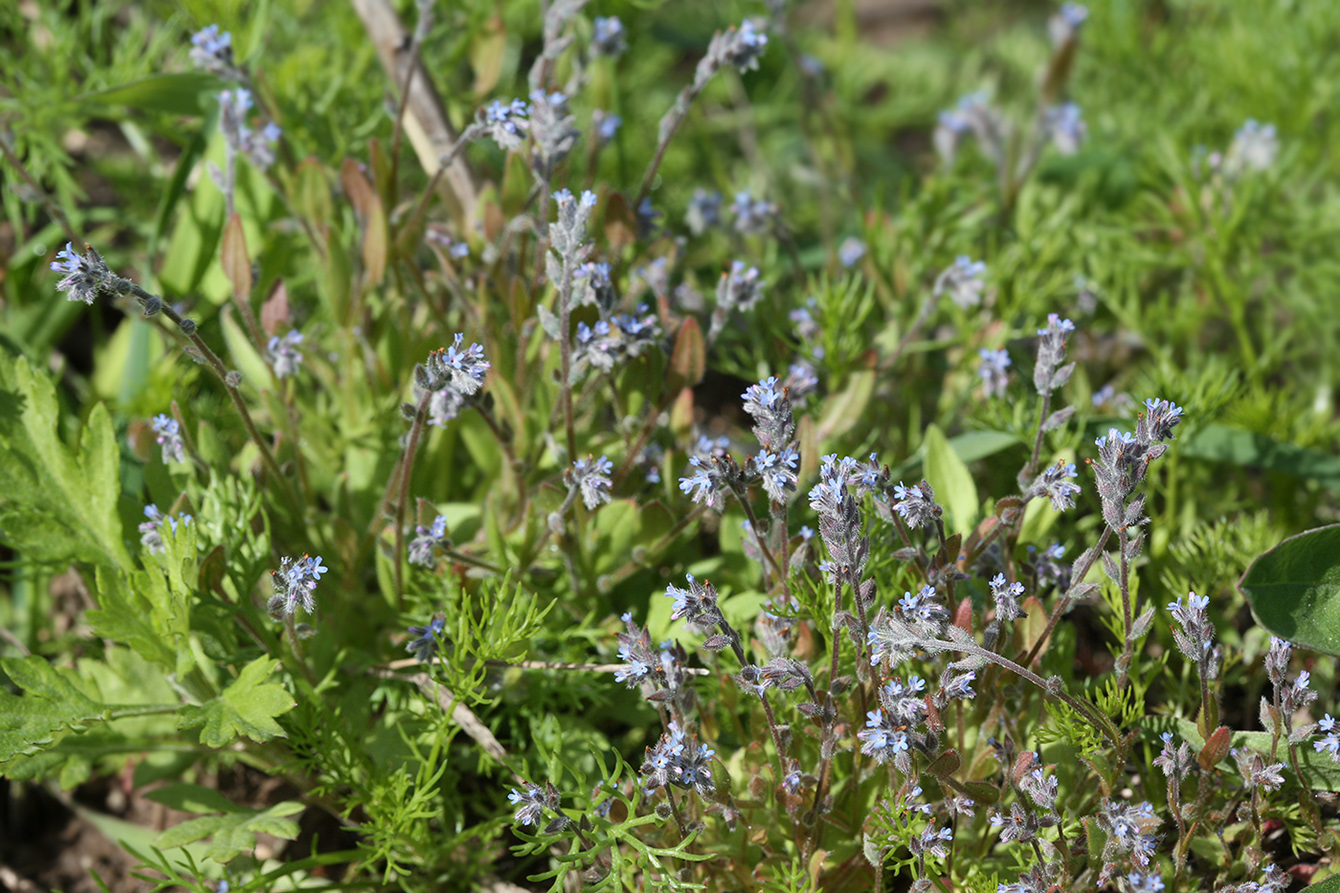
532,532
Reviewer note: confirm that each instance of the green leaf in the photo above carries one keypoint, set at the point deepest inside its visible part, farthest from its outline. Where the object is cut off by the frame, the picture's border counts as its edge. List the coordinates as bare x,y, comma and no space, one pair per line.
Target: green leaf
247,707
970,447
235,831
1294,589
1318,771
844,409
150,611
953,483
57,502
50,708
193,798
1221,443
176,94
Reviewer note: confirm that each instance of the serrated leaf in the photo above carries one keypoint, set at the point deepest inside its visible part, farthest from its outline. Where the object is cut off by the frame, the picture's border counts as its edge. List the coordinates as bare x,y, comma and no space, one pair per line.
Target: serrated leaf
247,707
57,501
50,708
951,480
234,832
1294,589
150,611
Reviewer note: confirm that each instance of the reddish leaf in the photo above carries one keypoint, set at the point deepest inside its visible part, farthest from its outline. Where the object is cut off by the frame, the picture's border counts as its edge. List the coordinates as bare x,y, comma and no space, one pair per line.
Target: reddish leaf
233,256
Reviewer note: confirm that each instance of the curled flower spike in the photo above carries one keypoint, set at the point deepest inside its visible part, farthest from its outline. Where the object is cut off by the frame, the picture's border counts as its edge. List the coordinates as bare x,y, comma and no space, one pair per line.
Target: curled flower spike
151,531
86,275
1196,637
505,124
851,251
609,37
1066,24
169,438
1056,483
427,640
592,477
994,371
916,505
283,353
697,604
461,370
739,289
703,212
1048,373
213,52
1065,126
774,422
1007,597
422,548
532,801
294,584
752,215
1254,148
964,281
744,46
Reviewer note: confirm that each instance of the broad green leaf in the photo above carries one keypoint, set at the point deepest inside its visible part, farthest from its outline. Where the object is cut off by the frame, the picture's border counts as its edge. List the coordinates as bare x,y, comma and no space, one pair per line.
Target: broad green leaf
1222,443
953,483
970,447
57,501
50,708
844,409
235,831
176,94
1294,589
193,798
247,707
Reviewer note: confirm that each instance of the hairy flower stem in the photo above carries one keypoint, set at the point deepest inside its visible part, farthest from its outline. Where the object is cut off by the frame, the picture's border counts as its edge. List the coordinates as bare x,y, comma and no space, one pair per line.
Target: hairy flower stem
565,355
406,468
1031,469
1127,615
738,650
216,365
829,716
1100,722
779,575
1080,570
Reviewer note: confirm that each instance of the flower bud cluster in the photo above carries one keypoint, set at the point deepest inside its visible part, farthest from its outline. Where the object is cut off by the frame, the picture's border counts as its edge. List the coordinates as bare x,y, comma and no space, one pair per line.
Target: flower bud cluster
151,531
294,584
426,541
591,477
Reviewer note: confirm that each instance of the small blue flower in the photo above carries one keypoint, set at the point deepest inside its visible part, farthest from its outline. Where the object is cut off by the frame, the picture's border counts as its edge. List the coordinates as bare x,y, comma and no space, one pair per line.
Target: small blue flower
851,251
169,438
426,645
283,353
994,371
609,37
294,584
506,124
